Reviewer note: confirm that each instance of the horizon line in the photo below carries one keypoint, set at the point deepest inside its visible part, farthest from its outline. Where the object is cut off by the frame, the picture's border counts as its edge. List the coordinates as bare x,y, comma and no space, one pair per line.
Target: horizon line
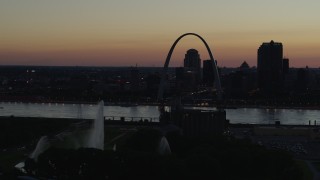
102,66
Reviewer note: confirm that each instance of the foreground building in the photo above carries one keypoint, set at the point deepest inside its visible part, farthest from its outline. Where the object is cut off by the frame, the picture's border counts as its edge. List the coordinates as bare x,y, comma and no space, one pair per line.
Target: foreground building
195,122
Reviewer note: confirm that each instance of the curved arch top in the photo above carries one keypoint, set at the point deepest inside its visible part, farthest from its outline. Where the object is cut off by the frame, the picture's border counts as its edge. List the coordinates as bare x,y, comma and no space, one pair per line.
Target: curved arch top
166,64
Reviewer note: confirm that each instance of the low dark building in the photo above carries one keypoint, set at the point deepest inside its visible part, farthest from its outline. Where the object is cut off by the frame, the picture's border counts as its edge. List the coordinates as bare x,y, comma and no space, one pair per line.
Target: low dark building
196,122
208,73
285,65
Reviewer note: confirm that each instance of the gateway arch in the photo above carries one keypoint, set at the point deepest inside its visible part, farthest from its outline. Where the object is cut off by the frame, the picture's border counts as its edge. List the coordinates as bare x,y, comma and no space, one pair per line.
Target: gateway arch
166,64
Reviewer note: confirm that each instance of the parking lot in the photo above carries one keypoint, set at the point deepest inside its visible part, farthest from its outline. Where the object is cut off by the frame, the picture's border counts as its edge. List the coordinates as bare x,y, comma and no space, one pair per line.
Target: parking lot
301,147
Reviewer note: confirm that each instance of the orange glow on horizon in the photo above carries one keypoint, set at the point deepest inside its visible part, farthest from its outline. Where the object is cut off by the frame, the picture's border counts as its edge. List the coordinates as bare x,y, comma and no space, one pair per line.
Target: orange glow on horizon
124,33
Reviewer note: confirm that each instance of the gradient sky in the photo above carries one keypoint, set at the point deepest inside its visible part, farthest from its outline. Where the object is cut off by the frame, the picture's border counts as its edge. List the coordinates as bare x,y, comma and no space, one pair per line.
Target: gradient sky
130,32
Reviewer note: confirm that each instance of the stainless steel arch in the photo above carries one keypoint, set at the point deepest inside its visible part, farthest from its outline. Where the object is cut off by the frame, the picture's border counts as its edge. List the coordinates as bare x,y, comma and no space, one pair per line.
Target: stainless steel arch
166,64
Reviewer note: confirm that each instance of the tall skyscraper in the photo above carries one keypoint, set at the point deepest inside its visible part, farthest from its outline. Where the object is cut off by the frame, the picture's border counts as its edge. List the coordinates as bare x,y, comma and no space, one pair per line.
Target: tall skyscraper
270,67
192,59
192,64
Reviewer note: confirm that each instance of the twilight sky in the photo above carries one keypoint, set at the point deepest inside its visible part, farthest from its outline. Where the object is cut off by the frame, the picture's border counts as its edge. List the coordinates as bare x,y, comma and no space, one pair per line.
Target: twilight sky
130,32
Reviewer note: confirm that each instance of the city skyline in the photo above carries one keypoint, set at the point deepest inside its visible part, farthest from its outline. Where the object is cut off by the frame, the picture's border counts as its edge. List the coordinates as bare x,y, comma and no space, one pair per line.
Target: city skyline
126,33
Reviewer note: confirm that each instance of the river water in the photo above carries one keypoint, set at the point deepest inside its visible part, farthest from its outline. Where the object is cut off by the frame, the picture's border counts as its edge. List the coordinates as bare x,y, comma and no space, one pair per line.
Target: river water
240,115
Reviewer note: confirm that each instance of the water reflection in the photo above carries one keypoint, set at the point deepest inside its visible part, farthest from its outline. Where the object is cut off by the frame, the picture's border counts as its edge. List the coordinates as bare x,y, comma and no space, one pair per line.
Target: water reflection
241,115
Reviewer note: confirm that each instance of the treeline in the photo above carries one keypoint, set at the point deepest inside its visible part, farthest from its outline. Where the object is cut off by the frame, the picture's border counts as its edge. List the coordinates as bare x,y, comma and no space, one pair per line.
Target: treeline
20,131
191,158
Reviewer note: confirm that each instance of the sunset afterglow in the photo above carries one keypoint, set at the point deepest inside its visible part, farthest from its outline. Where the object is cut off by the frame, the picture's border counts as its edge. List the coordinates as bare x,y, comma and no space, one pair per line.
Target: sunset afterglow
126,33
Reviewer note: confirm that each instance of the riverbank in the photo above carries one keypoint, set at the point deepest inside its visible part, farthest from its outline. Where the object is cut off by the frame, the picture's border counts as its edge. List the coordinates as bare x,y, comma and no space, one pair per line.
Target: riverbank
133,104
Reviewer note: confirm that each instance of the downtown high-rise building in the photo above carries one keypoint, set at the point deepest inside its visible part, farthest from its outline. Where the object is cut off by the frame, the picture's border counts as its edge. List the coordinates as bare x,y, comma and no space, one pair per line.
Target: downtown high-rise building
192,64
192,59
270,67
188,77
